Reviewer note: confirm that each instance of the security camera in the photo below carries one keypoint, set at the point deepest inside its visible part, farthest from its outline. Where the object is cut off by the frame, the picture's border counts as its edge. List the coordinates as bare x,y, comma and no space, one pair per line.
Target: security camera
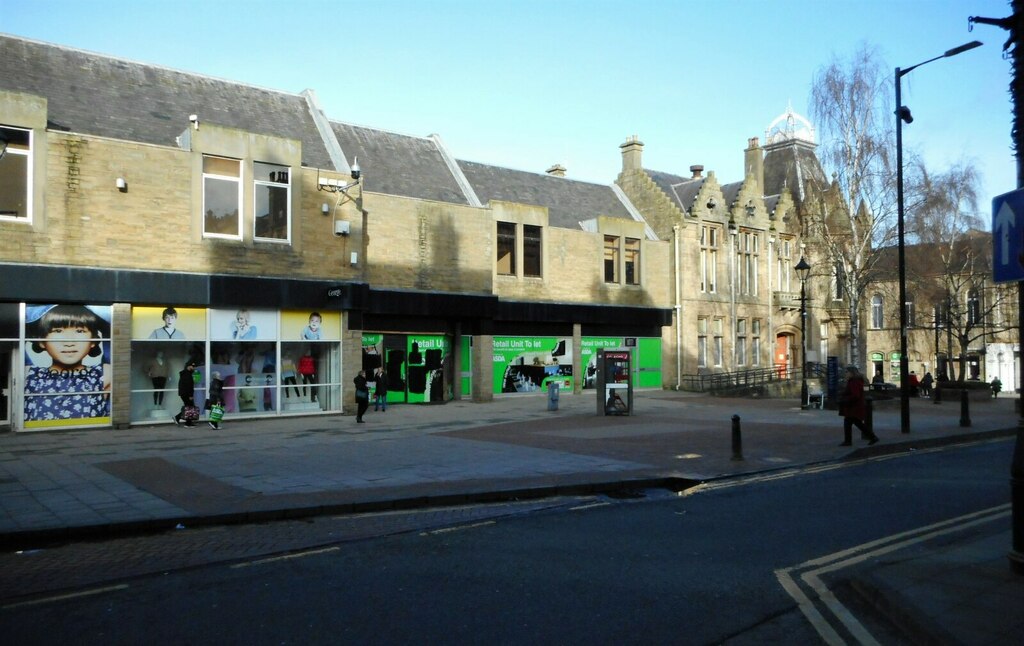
355,168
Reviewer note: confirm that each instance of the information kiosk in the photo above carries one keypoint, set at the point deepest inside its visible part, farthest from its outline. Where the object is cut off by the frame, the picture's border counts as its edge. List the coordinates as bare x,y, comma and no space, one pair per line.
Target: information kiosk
614,382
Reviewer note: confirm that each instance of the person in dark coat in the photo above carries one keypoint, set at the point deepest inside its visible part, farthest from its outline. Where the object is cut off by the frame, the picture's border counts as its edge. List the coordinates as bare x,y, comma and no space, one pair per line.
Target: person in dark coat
216,397
187,392
380,393
362,395
853,408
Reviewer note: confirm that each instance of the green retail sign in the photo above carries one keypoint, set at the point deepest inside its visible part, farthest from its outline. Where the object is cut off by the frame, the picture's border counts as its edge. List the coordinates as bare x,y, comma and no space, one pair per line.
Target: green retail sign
529,364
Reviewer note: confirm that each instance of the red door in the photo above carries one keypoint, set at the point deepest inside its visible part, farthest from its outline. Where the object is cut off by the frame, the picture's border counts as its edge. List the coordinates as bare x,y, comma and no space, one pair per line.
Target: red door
782,345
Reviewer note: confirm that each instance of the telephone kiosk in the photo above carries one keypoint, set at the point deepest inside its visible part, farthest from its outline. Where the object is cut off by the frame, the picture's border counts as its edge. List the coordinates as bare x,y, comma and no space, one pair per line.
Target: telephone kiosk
614,382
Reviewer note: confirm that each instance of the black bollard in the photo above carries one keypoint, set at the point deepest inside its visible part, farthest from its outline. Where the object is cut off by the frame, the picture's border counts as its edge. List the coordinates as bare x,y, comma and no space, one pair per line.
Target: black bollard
737,439
965,413
869,417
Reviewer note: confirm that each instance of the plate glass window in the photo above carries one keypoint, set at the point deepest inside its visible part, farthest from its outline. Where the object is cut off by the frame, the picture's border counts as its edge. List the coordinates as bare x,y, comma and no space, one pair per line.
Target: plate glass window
15,179
222,197
273,201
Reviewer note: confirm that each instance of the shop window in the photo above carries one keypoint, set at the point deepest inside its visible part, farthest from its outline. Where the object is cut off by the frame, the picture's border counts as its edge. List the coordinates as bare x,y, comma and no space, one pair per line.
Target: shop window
506,259
15,178
222,197
611,259
632,261
531,251
272,199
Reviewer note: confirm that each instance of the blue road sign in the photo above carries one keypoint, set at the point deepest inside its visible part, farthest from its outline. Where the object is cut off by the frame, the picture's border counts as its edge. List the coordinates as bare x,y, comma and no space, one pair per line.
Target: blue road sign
1008,236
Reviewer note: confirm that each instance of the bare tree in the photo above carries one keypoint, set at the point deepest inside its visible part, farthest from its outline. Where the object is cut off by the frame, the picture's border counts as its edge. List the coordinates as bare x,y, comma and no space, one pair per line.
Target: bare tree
857,212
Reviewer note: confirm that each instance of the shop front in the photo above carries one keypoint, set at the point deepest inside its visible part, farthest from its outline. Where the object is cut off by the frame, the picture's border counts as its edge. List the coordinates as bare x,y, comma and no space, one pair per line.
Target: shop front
418,367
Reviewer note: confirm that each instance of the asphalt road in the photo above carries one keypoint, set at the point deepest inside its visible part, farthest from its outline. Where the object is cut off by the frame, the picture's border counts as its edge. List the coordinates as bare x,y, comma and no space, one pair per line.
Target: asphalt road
705,567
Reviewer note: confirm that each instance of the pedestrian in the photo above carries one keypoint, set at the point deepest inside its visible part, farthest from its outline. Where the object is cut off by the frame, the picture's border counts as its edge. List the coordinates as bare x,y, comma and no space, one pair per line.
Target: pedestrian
362,395
853,409
997,386
215,402
926,384
187,392
915,384
380,393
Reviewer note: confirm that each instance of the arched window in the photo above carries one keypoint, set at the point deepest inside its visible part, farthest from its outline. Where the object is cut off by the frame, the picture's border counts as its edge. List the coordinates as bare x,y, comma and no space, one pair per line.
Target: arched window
876,312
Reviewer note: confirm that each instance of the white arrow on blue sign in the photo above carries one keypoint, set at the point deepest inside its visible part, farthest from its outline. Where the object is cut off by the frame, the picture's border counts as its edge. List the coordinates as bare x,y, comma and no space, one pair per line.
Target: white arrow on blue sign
1008,237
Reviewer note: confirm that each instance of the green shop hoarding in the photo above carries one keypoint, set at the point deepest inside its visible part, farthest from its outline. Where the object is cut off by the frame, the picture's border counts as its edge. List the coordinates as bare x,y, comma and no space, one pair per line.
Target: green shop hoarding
528,364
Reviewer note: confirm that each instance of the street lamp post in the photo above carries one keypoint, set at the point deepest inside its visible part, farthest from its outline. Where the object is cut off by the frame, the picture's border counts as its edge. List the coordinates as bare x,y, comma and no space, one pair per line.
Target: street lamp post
802,271
903,115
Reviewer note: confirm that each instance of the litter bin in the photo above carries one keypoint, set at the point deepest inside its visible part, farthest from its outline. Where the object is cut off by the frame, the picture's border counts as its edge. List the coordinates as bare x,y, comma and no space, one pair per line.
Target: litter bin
553,395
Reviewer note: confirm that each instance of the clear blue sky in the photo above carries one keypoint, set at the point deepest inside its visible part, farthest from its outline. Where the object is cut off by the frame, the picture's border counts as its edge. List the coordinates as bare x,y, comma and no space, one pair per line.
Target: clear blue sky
532,83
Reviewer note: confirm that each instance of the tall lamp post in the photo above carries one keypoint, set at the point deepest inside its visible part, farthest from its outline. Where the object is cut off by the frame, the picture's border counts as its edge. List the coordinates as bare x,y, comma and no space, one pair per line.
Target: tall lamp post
903,115
802,271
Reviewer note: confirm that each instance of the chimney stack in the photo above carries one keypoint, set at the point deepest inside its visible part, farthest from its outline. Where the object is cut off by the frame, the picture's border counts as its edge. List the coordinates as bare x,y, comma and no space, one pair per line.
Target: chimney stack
557,170
753,162
696,169
632,151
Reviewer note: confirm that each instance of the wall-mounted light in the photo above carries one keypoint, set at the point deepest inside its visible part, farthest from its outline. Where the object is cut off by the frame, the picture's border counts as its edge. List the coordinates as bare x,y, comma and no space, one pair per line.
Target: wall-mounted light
325,208
121,184
342,228
194,120
336,186
354,259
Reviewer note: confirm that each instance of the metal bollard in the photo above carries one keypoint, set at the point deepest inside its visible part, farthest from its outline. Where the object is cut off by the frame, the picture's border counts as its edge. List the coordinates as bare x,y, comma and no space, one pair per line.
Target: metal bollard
965,413
737,439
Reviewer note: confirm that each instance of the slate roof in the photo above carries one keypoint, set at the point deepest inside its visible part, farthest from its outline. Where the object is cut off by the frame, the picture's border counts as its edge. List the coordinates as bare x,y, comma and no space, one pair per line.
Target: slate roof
398,164
792,164
730,192
568,201
682,190
99,95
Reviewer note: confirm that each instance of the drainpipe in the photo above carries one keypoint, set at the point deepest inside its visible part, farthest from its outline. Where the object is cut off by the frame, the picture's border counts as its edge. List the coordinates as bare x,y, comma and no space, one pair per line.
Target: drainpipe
679,311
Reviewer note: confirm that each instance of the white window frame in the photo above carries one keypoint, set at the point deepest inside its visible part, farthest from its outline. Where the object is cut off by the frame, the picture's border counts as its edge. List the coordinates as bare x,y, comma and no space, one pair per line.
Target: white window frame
224,178
30,176
270,184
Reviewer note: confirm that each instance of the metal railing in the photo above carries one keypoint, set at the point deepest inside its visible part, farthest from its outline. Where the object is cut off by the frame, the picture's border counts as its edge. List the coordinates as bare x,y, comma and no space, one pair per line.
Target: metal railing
741,379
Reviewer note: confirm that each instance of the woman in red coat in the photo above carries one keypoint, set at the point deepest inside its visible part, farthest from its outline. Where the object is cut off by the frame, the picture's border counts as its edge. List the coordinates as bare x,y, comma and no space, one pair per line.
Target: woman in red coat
853,409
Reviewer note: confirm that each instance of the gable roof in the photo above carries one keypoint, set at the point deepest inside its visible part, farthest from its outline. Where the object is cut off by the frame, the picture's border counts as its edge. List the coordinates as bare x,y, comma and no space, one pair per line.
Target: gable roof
399,164
568,201
681,190
99,95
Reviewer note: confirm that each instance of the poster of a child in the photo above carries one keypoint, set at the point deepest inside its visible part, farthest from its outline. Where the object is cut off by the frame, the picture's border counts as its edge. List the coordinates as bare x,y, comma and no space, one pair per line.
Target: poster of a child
67,374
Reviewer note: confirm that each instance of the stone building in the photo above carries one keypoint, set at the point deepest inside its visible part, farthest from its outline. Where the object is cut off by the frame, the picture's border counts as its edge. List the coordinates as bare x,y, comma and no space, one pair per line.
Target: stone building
152,217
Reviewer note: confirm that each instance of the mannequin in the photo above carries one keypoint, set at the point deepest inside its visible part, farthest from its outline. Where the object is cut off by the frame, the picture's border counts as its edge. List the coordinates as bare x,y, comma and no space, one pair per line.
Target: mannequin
156,370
